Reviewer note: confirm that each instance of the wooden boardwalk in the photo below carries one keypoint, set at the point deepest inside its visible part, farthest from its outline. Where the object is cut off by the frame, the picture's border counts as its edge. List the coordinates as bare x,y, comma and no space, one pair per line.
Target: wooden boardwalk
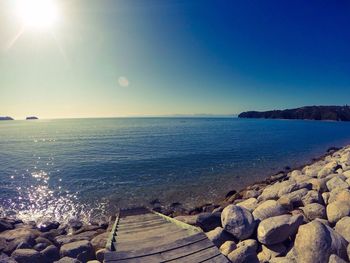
140,235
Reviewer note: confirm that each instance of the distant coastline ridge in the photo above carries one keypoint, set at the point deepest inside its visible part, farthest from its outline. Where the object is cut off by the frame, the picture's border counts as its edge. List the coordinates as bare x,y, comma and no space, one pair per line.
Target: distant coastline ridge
334,113
6,118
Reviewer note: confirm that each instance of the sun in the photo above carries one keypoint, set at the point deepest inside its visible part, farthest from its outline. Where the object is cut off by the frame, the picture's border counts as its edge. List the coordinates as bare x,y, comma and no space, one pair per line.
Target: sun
37,14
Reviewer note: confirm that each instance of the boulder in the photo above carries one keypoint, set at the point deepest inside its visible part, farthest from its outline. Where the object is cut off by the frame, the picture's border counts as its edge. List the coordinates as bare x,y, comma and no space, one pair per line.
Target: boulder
282,260
335,259
294,198
319,184
27,256
218,236
277,229
343,228
337,210
100,254
5,225
6,259
10,239
344,195
68,260
99,241
336,182
313,211
327,169
249,204
315,242
312,197
209,221
227,247
272,191
245,252
82,250
46,226
238,221
50,254
268,209
345,159
65,239
272,251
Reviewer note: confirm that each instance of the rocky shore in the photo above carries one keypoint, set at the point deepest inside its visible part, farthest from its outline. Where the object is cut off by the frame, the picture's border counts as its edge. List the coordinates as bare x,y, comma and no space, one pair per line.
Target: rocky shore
50,241
295,216
300,216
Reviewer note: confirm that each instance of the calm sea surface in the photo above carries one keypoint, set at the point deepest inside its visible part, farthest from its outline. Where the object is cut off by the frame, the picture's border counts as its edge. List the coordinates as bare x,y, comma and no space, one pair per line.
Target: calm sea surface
88,167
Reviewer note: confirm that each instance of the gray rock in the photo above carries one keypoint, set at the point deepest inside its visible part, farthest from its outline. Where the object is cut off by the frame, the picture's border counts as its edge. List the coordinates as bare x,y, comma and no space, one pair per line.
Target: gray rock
249,204
5,225
238,221
277,229
343,228
337,210
50,254
9,240
68,260
335,259
319,184
48,225
315,242
100,241
336,182
282,260
272,191
40,246
65,239
269,252
6,259
312,197
313,211
219,236
227,247
209,221
244,253
27,256
327,169
294,198
268,209
100,254
81,250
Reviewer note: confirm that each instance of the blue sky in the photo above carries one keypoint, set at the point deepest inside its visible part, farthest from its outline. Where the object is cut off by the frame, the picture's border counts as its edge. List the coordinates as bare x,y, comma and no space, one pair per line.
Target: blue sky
107,58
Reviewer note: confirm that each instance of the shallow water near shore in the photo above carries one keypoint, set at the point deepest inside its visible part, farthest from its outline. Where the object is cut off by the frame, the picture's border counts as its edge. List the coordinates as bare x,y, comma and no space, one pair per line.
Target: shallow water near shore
89,167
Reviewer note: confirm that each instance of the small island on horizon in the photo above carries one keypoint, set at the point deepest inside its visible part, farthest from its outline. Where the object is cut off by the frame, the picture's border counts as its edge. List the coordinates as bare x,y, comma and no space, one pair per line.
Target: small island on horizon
333,113
32,118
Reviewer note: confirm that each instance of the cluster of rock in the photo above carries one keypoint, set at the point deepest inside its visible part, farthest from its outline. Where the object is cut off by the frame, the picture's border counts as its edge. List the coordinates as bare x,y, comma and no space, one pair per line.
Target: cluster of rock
302,216
50,241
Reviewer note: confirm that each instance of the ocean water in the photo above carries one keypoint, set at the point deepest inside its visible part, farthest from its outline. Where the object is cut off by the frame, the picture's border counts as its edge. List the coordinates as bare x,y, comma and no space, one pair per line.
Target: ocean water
90,167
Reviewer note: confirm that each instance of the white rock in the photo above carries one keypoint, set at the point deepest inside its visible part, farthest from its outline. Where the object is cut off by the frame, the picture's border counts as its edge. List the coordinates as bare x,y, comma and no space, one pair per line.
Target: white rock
268,209
238,221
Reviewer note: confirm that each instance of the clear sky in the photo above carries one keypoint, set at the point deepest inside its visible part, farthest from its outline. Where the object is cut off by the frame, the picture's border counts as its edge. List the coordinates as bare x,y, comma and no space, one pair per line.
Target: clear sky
104,58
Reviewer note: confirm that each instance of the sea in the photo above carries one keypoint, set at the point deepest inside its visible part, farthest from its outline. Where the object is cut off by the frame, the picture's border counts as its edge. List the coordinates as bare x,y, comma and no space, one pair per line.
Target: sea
89,168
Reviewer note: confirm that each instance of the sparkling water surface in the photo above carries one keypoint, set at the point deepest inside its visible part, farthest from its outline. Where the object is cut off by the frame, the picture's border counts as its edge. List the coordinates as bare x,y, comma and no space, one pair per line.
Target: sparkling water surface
89,167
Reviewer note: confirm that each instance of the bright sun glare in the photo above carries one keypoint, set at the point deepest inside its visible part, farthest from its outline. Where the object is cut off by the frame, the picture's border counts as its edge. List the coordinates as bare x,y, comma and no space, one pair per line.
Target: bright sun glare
37,14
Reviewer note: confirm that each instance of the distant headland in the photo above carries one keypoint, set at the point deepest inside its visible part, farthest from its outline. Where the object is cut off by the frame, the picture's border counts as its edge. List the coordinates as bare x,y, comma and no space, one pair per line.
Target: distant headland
334,113
32,118
6,118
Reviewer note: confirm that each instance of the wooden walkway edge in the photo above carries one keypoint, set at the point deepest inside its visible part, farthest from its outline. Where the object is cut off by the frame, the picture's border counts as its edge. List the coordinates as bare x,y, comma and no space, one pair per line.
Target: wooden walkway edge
141,235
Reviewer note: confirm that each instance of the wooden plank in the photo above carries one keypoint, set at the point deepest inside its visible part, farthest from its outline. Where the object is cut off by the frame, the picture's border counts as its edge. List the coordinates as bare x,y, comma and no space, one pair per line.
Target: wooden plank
158,249
142,225
152,237
199,256
217,259
164,228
